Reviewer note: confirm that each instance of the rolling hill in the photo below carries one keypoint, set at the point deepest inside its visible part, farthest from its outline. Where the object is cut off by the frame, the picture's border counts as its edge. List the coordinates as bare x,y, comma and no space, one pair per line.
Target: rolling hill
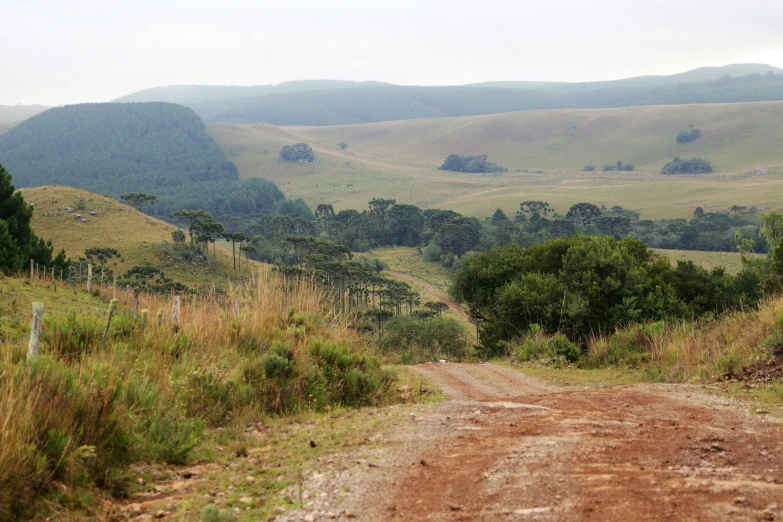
339,103
138,237
544,152
158,148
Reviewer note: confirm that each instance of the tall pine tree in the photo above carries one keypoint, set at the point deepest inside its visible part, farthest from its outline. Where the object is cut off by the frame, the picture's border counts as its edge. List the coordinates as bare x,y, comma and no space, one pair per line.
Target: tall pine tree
18,243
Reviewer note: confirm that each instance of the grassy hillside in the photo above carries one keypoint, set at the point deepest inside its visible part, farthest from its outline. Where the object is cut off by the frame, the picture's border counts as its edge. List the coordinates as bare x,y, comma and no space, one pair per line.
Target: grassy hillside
113,148
400,159
138,237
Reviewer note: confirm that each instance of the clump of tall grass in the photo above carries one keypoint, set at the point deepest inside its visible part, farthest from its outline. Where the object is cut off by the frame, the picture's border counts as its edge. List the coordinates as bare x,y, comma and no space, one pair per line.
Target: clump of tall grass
77,415
700,349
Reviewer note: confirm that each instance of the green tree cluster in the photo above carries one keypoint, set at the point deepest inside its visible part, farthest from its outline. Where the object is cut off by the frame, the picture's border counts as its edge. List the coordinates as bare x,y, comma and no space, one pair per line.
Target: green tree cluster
18,243
589,284
687,136
687,166
297,152
473,164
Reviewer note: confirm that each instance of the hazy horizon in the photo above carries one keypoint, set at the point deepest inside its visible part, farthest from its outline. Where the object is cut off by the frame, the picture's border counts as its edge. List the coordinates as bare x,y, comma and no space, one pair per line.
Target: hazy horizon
88,51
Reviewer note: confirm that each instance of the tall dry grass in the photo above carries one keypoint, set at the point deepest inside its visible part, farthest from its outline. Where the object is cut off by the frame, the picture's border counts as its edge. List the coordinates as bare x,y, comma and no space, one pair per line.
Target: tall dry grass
76,416
688,350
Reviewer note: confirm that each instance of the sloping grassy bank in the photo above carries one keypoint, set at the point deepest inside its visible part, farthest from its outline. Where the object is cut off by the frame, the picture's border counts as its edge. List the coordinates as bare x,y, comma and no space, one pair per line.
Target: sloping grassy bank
78,415
677,351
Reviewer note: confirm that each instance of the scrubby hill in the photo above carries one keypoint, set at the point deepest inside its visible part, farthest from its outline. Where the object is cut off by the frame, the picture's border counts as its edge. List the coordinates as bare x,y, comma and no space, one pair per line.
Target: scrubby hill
159,148
339,103
138,238
400,159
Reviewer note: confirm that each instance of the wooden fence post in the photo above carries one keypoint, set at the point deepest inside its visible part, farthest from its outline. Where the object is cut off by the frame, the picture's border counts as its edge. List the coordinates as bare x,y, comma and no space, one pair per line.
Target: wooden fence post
144,320
114,288
35,331
89,278
112,306
236,308
101,281
175,312
32,270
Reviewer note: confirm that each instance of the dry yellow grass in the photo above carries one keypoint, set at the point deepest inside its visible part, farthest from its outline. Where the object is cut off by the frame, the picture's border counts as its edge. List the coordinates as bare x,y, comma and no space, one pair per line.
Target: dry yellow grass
400,159
137,236
210,368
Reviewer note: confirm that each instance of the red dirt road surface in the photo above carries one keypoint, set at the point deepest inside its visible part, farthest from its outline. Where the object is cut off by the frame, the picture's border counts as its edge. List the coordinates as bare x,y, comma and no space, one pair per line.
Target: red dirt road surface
509,447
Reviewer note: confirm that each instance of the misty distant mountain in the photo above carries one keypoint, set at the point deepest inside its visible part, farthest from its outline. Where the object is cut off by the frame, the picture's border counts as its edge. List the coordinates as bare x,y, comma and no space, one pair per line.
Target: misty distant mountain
184,94
13,113
326,102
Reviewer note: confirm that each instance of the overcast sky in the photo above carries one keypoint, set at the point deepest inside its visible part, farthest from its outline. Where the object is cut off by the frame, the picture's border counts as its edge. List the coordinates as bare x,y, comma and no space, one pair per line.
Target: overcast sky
56,52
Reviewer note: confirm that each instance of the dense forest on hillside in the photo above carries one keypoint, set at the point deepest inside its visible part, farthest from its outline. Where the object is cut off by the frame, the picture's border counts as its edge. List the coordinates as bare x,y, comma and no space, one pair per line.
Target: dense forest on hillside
337,103
158,148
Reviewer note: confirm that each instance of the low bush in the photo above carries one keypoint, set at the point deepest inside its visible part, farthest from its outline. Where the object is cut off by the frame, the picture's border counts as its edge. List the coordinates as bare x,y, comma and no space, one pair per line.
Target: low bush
411,340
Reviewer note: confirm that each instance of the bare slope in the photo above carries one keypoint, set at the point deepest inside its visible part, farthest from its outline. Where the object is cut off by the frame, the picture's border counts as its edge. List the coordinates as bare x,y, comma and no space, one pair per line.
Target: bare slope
139,238
399,159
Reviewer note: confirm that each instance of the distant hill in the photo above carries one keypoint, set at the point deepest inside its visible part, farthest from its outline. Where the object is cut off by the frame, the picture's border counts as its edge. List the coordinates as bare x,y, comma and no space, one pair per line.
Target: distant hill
185,94
13,113
159,148
325,103
545,152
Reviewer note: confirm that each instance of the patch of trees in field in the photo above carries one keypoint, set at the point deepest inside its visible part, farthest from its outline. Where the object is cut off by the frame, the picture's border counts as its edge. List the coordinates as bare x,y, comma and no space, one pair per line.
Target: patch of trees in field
298,152
687,136
687,166
473,164
160,149
619,166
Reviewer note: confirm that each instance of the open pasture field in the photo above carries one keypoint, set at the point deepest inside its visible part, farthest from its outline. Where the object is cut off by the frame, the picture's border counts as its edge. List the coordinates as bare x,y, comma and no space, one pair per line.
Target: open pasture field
544,151
729,260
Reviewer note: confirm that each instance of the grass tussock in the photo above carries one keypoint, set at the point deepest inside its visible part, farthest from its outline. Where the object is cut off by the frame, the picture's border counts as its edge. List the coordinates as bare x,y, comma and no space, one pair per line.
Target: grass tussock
699,350
72,419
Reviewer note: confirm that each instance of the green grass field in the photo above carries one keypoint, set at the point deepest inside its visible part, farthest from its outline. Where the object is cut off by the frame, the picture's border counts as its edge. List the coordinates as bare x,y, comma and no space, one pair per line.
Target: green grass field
730,260
399,159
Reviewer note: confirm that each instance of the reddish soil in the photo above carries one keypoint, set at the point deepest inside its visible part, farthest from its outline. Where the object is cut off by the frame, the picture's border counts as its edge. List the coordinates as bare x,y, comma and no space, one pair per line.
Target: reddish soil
509,446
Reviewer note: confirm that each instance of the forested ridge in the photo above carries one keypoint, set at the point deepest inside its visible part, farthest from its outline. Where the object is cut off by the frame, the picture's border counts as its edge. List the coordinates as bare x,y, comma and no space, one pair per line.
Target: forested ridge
338,103
114,148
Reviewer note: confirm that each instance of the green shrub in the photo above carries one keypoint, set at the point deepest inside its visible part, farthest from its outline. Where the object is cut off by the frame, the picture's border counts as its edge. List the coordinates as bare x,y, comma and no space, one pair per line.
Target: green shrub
214,397
412,339
171,440
345,377
559,345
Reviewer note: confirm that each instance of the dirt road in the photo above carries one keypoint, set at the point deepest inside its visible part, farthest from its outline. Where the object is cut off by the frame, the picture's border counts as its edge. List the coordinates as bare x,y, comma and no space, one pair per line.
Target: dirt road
440,295
508,447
